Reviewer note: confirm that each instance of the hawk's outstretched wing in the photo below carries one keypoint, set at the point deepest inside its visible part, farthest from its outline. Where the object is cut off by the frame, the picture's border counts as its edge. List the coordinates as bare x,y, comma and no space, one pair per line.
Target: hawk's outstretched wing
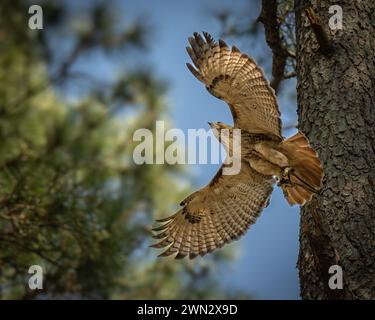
217,214
235,78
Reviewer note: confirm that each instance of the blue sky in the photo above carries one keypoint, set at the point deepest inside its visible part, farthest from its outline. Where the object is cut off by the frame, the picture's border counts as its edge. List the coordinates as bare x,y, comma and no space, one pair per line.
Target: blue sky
266,263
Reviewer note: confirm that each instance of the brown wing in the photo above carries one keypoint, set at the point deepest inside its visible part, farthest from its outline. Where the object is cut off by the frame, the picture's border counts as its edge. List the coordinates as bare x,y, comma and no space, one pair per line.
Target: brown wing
215,215
235,78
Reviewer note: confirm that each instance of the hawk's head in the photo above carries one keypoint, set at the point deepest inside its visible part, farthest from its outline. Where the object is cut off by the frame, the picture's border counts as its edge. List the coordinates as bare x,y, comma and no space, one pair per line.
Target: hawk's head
224,133
221,130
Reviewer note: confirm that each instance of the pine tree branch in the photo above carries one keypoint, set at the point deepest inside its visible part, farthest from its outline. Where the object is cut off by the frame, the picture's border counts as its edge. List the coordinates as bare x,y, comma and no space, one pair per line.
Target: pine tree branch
325,45
269,18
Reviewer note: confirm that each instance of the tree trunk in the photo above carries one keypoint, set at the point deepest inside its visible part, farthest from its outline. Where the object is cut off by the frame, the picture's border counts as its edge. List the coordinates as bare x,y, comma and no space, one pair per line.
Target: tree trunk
336,97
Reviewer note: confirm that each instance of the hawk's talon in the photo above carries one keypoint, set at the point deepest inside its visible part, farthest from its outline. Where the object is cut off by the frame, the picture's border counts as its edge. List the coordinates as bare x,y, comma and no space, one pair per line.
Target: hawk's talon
285,177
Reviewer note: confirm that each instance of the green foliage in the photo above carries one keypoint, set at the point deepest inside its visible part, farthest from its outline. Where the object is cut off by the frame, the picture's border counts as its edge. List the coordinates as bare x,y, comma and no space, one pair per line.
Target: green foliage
71,199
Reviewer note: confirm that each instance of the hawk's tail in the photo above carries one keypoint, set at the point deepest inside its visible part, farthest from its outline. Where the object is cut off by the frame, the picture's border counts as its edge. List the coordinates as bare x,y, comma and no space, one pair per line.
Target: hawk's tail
305,175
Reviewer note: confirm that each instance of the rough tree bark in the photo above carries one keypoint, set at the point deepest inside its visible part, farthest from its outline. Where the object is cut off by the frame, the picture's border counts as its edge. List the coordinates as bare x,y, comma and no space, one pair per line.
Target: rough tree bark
336,97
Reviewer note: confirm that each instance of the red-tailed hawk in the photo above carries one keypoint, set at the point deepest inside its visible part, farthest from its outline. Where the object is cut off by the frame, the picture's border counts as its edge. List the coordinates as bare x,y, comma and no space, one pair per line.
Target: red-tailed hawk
224,209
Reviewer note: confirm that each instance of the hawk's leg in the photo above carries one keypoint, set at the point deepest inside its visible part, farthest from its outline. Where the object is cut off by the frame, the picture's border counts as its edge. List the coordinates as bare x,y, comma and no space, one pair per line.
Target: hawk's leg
286,181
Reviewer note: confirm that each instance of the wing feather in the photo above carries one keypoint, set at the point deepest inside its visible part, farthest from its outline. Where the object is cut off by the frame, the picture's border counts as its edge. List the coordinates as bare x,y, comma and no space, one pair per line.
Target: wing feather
210,219
235,78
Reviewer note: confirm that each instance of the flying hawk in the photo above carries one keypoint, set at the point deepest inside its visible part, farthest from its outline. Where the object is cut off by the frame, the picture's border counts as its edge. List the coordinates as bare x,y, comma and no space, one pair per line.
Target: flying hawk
223,210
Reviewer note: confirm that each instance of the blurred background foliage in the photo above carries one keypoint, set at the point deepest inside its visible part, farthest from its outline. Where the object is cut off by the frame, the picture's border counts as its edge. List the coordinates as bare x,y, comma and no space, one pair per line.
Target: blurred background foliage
71,198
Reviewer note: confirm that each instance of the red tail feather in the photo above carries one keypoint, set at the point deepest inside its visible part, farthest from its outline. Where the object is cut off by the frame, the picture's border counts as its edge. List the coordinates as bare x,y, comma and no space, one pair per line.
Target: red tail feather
306,176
